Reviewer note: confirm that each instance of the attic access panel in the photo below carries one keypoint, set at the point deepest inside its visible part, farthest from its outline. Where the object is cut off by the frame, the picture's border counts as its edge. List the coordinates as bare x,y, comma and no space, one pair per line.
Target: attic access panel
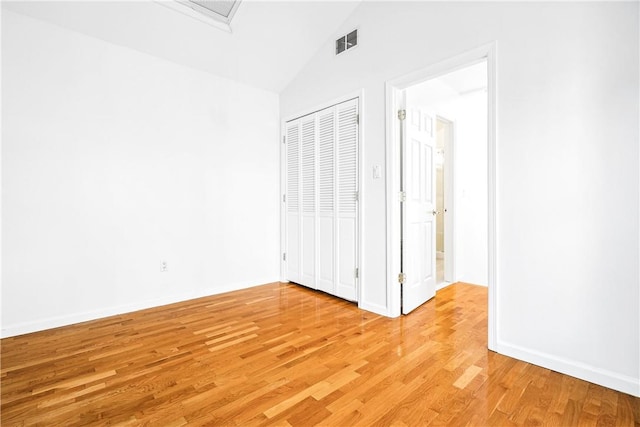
220,10
221,7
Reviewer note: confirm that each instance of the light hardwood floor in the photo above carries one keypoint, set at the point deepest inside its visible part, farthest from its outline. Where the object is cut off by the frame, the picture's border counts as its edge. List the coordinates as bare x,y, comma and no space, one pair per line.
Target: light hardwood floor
284,355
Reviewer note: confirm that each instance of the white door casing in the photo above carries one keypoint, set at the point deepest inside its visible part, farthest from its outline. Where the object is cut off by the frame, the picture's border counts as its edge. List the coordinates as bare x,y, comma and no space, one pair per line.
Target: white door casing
394,89
419,210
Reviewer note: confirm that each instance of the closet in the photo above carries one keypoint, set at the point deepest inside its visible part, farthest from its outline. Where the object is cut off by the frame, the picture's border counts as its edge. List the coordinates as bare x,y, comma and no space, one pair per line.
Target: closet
321,200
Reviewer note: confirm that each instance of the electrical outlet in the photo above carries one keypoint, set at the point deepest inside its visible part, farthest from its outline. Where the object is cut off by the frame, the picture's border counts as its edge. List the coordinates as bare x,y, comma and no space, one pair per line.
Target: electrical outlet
163,266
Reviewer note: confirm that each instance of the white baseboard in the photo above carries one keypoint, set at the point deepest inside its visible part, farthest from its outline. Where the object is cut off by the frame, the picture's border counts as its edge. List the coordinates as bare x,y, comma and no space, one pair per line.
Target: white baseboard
603,377
442,285
375,308
70,319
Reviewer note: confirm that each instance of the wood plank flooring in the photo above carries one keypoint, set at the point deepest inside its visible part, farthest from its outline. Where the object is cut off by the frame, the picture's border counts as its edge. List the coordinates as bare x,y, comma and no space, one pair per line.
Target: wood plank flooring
280,354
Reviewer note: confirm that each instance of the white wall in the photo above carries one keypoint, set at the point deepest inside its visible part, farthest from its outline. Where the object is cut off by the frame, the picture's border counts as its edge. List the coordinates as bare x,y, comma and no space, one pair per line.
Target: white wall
567,154
113,160
469,113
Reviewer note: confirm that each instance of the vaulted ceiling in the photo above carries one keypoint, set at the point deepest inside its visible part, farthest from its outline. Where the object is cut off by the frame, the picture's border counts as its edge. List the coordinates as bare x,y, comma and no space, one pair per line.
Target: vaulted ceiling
269,44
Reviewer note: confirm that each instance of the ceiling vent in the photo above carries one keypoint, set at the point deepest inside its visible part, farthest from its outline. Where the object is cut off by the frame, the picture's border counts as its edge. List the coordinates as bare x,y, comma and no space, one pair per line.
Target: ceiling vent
347,42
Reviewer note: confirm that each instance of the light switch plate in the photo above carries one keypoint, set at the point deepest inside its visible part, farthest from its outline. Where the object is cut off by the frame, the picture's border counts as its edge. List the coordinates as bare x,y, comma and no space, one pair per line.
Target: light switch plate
377,173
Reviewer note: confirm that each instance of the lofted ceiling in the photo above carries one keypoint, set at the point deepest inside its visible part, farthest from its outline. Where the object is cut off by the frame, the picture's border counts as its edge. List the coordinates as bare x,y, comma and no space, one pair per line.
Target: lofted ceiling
269,44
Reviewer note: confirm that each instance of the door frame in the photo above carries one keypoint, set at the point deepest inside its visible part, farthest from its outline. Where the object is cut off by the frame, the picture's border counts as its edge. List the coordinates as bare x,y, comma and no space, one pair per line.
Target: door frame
393,90
359,95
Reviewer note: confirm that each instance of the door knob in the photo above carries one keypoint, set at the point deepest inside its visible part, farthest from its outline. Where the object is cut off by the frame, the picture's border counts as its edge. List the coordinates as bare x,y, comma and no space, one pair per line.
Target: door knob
434,212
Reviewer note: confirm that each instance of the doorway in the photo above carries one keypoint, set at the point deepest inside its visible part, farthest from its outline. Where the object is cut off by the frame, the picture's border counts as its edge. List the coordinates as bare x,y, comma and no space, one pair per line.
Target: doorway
401,251
429,216
445,203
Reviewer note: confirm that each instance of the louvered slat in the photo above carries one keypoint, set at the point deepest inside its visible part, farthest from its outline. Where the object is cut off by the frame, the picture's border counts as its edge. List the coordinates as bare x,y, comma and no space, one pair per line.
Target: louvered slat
347,158
308,166
326,156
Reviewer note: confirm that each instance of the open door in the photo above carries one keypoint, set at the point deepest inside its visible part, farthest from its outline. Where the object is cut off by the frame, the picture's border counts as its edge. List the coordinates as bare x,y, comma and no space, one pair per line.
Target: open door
418,252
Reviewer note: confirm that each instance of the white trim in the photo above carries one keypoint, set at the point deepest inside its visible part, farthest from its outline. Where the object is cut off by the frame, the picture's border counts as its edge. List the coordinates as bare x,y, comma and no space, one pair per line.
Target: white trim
305,111
373,308
442,285
391,197
492,183
610,379
70,319
360,206
393,88
1,186
283,205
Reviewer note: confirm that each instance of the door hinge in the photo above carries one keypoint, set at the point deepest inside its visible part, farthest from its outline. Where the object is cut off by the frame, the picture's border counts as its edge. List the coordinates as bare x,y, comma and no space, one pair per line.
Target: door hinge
402,114
357,119
284,139
357,272
284,198
401,278
356,196
284,256
402,196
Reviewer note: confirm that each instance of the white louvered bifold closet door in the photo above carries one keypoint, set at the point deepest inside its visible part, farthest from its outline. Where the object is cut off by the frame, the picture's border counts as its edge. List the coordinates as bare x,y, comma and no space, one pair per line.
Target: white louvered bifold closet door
347,186
322,200
292,208
308,174
326,189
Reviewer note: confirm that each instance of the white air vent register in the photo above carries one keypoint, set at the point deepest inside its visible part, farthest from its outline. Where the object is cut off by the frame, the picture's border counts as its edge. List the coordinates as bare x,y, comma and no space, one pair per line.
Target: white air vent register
347,42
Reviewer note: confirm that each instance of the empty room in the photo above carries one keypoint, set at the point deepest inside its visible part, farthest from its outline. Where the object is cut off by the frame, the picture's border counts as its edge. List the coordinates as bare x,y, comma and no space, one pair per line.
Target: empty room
336,213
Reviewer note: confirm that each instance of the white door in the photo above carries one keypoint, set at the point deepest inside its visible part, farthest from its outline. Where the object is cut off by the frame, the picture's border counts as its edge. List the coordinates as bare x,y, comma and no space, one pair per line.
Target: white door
292,209
308,202
347,199
326,201
419,209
